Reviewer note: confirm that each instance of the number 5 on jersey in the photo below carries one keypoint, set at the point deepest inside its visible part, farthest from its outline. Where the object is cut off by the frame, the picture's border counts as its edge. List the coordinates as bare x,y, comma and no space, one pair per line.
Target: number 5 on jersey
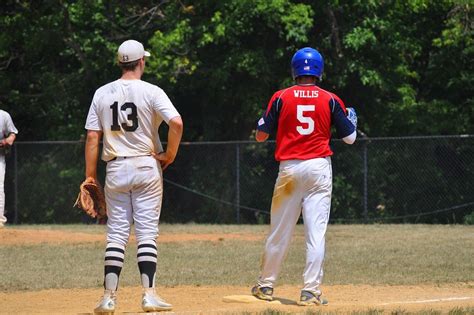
132,117
307,121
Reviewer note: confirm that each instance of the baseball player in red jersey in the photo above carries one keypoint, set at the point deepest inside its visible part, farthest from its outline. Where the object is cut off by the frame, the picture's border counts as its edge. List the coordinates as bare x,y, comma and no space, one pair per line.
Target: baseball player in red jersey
302,116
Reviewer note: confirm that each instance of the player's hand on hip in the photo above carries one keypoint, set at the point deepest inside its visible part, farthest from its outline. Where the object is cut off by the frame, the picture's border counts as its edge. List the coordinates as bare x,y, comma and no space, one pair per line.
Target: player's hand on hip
165,158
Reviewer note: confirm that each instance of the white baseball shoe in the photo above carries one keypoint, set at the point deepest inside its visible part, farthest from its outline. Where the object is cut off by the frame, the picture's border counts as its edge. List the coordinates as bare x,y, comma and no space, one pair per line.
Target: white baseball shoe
106,305
151,302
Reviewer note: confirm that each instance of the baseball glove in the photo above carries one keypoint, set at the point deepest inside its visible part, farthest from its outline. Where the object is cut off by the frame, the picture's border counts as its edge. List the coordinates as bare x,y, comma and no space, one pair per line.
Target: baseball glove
91,199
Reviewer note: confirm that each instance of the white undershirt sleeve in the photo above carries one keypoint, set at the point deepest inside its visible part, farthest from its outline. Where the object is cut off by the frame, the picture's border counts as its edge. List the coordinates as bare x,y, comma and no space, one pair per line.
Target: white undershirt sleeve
350,139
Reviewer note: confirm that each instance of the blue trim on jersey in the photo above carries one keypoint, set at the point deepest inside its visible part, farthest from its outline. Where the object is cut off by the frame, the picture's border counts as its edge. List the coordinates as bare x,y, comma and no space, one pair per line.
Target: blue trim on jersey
271,119
343,125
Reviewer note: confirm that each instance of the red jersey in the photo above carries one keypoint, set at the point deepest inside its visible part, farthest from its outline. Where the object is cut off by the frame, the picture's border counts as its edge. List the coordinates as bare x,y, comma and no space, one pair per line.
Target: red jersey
302,116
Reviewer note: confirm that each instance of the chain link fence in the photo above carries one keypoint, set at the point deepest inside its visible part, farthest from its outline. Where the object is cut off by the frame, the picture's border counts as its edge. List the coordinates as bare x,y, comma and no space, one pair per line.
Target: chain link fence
393,180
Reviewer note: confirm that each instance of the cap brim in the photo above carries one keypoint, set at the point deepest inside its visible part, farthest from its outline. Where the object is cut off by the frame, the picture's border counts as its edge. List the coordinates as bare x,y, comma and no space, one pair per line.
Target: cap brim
146,54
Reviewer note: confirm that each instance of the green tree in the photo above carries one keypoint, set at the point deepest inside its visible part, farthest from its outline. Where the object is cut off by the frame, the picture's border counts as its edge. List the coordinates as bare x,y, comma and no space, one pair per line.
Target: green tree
405,65
54,54
221,60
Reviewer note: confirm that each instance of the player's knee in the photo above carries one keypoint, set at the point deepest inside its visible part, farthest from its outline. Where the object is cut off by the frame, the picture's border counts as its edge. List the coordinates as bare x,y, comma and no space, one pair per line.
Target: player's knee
118,239
146,238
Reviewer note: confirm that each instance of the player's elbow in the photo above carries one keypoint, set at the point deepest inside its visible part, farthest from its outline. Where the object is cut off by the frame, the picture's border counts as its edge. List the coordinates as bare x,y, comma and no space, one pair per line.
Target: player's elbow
93,135
261,136
350,139
176,123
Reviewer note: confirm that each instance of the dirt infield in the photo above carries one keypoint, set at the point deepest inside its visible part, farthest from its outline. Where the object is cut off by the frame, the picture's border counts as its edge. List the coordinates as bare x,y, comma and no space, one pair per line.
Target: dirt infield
209,299
29,237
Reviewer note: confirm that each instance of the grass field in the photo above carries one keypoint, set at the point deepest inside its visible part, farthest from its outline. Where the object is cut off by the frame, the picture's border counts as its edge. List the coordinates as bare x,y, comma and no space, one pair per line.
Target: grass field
396,255
356,254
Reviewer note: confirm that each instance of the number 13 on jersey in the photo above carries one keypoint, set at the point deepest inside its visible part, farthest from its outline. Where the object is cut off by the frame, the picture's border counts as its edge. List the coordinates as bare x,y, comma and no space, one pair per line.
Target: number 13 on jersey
302,116
132,117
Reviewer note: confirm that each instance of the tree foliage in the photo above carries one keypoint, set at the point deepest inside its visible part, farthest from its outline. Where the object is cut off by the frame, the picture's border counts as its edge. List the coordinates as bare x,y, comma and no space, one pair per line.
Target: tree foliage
406,66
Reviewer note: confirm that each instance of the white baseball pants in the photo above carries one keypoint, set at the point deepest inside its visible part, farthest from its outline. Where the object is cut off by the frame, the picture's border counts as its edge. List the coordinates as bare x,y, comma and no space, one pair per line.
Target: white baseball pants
133,192
3,219
302,186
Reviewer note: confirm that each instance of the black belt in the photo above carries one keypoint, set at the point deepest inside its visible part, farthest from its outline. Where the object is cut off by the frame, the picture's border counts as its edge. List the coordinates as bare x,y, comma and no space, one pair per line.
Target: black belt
124,157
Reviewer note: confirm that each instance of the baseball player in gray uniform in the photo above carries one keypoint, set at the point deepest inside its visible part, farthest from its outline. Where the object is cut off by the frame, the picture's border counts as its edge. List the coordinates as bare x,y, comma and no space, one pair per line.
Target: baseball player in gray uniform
127,113
8,134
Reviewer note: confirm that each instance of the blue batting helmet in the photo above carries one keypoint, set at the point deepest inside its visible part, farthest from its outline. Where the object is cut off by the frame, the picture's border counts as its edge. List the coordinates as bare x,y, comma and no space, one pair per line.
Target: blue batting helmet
307,61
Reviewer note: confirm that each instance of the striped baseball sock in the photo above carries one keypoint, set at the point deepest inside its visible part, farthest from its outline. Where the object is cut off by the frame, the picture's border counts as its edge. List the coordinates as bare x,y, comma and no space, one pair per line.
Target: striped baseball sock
147,257
114,256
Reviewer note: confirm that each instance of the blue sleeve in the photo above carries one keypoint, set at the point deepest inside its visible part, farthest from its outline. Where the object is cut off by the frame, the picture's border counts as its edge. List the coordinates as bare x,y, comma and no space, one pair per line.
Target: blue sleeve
343,125
269,121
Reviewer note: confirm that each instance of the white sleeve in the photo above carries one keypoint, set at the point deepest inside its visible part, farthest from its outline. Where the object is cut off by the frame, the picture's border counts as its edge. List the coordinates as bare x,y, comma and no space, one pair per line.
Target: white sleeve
163,106
350,139
10,127
93,121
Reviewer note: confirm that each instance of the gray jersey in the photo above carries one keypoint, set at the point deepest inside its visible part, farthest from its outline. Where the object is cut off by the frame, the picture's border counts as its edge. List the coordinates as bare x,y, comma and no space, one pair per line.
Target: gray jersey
6,125
129,113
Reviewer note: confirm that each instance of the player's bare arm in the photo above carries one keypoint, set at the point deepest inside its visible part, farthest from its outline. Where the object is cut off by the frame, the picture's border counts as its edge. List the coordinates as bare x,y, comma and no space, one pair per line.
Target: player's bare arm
175,133
92,152
8,141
